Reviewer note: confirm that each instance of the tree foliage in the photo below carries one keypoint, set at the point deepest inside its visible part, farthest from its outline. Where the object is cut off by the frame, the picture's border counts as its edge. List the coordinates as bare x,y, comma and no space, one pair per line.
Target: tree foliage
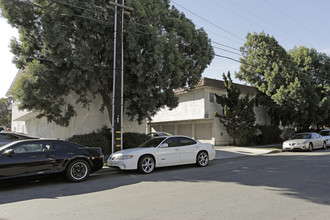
294,84
237,115
67,46
5,113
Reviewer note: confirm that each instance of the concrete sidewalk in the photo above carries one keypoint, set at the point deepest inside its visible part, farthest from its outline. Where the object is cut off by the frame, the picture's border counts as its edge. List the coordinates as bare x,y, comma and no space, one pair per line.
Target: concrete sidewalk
224,152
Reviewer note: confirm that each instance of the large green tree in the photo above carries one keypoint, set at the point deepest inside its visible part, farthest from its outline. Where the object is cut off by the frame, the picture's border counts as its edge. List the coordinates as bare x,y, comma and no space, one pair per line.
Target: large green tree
5,112
66,46
237,114
316,67
293,83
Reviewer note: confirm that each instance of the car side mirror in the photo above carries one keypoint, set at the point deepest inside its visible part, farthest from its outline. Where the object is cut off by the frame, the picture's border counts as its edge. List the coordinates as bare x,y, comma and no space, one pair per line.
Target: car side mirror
164,145
8,153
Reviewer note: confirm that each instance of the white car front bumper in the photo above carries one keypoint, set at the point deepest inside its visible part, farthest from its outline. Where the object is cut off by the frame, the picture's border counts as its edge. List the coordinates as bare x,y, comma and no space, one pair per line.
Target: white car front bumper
128,164
293,146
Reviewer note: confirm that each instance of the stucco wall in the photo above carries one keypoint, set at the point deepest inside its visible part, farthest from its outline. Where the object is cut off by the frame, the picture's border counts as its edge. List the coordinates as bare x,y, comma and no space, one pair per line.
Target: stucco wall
195,108
86,121
191,106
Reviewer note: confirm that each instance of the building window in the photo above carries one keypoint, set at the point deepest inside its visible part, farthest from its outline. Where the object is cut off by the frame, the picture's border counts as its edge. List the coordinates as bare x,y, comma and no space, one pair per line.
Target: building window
212,97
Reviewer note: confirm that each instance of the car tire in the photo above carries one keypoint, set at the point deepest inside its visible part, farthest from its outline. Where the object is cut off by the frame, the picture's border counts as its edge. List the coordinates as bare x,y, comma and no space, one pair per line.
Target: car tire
78,170
202,159
310,147
324,147
146,164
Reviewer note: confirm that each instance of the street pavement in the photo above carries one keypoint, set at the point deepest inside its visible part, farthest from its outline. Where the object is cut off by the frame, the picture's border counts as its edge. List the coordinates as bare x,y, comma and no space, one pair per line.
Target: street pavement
226,152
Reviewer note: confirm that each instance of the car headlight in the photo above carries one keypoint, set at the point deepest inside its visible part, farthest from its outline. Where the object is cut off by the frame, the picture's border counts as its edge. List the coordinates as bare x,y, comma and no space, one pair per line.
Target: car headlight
124,157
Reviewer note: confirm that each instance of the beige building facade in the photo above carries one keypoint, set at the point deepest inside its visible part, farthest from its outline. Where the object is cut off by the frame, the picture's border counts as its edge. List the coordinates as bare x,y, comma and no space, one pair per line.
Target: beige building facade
86,121
195,114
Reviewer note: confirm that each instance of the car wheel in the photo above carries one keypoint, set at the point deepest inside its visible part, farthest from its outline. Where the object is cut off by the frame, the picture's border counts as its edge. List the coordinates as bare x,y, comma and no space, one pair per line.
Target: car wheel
202,159
310,147
324,146
146,164
77,170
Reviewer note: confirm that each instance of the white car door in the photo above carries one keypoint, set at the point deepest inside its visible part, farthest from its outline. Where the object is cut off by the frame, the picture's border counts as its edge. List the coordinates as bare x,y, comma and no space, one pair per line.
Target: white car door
169,155
321,139
318,140
188,150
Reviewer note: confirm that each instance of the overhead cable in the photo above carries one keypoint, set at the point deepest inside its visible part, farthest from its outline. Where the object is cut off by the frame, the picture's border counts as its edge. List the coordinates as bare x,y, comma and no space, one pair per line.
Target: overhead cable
228,32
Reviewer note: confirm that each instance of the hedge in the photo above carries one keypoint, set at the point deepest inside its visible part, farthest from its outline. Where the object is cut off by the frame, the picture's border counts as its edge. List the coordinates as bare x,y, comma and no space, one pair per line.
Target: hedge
102,138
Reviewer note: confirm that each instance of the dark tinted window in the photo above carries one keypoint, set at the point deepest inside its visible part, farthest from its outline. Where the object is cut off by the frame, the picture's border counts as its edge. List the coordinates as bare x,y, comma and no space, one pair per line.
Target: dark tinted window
187,141
152,142
28,147
179,141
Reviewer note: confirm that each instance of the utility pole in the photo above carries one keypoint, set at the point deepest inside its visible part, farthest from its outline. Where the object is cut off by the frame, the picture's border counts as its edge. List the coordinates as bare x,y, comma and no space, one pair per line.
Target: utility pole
118,76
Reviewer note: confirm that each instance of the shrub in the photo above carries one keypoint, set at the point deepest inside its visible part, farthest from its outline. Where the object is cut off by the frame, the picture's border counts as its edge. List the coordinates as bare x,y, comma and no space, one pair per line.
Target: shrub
287,133
132,140
102,138
92,140
269,135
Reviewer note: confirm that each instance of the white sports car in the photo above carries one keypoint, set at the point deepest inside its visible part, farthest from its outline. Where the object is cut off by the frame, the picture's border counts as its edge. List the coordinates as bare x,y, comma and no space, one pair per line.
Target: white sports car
161,152
305,141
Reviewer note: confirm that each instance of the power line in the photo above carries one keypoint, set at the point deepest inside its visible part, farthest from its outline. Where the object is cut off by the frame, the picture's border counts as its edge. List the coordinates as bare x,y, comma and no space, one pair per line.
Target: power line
103,22
73,6
208,21
227,51
229,58
266,21
297,22
225,46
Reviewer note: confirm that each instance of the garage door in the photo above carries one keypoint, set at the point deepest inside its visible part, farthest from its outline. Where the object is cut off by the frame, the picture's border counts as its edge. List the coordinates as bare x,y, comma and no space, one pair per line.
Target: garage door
204,132
169,129
185,130
154,128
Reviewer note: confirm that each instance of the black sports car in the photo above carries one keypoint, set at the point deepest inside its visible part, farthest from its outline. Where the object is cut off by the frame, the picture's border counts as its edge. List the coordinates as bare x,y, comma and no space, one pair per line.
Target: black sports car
41,156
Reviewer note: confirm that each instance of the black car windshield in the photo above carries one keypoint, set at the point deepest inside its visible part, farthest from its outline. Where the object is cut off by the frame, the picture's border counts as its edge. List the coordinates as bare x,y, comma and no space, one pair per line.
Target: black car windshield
152,142
301,136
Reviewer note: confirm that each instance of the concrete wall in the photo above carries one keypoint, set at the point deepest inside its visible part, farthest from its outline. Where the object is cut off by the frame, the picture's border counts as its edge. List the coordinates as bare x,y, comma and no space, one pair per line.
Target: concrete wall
86,121
191,106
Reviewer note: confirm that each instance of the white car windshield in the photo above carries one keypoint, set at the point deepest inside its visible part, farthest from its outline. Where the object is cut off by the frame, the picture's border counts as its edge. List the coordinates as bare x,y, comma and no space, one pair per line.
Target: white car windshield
301,136
325,133
152,142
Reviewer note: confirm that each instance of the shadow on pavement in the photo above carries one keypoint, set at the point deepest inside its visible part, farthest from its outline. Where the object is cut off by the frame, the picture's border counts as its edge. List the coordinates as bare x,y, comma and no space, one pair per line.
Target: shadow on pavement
284,172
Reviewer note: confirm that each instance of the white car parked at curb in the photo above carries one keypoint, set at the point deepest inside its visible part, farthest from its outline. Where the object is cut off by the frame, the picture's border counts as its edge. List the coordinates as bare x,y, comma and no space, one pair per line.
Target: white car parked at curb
326,134
305,141
161,152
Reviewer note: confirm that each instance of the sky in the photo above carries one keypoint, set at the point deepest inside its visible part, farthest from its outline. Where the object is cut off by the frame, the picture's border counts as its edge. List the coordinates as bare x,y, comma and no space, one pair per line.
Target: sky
227,22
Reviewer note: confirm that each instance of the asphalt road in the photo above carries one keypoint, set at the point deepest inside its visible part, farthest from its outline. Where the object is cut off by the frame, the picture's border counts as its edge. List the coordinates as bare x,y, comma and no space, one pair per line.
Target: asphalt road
290,185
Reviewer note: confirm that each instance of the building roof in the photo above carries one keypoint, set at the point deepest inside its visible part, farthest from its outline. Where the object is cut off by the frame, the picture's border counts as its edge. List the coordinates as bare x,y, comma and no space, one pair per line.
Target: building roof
219,84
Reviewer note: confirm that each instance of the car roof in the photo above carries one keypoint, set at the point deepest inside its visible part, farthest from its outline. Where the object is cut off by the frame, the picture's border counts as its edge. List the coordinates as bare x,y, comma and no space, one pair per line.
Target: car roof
175,136
18,134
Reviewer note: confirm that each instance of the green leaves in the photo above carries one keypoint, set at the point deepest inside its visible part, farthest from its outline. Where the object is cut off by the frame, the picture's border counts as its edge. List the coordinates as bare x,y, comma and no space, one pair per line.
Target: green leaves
5,113
295,81
67,54
237,113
